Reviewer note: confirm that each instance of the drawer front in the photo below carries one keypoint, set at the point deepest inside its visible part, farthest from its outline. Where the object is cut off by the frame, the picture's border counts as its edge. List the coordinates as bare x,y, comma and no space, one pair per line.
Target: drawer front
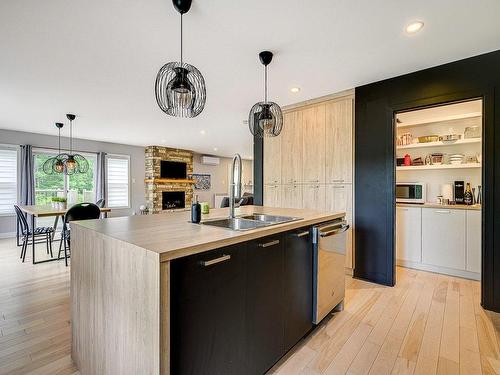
443,237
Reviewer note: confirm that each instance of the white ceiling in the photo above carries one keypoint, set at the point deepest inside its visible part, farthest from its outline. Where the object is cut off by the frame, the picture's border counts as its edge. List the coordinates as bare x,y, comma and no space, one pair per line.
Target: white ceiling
99,59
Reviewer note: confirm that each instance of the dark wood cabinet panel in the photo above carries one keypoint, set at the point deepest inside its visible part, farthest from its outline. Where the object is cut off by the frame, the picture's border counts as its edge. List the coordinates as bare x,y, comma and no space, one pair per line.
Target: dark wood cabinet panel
208,309
264,304
298,286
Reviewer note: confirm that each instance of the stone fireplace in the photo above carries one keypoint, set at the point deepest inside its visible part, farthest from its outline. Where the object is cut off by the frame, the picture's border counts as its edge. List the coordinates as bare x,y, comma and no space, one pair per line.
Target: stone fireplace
163,194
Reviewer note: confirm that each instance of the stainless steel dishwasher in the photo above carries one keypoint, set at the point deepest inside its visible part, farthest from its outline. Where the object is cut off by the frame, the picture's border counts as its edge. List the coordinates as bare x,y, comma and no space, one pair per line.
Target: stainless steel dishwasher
329,250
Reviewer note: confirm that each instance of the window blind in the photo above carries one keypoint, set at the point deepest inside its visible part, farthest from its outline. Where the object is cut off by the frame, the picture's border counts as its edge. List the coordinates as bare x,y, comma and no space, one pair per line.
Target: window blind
117,182
8,180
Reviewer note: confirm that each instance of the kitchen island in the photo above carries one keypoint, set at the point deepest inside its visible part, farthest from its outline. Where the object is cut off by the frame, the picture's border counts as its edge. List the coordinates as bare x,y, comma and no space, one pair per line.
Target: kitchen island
131,276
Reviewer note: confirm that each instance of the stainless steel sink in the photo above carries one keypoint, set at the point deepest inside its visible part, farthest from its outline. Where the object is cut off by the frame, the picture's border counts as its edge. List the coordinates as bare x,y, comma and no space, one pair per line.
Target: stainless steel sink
272,219
248,222
236,223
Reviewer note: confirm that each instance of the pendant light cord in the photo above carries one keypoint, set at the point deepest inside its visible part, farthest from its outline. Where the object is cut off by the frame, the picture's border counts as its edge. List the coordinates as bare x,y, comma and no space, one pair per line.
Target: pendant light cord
181,39
70,137
265,84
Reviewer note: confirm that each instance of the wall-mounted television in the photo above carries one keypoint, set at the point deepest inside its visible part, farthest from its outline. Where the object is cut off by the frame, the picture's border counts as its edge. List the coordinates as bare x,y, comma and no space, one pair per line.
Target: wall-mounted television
173,169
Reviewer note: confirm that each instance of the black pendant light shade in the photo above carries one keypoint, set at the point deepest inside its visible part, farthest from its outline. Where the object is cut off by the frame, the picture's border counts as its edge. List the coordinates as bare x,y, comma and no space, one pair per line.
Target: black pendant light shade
265,118
180,88
68,163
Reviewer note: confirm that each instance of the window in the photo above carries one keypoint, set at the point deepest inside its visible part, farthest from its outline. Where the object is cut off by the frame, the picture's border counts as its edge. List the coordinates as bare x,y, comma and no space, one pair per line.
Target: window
8,179
117,174
77,188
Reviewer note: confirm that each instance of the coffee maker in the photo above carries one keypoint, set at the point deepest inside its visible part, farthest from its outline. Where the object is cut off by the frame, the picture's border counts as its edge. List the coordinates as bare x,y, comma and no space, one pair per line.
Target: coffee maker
459,192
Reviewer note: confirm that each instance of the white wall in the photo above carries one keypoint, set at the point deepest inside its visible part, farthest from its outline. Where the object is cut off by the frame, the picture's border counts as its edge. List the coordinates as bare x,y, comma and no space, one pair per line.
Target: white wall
219,177
7,223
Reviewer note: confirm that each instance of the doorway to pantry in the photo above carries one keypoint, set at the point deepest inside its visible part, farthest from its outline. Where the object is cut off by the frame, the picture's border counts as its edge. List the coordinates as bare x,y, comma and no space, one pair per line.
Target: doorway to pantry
439,176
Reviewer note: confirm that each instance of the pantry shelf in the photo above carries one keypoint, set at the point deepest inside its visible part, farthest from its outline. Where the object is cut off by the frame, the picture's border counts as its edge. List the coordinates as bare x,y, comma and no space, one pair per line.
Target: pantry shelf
440,144
439,166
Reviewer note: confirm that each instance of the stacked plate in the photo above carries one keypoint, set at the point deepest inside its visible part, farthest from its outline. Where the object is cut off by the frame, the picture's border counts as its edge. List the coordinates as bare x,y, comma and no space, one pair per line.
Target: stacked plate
457,158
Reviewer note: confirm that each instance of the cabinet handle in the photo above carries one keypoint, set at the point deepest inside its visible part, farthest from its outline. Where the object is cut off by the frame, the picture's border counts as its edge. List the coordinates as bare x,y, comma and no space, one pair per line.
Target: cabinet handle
443,211
403,209
271,243
340,180
302,234
210,262
338,187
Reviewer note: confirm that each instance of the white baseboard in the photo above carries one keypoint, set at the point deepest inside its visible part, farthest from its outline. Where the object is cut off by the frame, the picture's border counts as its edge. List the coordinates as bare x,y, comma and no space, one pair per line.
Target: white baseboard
8,235
437,269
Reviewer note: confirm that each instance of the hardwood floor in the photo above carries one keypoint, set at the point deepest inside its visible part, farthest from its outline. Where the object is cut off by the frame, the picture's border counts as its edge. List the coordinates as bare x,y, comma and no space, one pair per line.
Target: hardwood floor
427,324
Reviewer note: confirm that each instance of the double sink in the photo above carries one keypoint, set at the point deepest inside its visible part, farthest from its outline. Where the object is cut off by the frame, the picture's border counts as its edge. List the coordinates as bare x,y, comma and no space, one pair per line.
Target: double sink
252,221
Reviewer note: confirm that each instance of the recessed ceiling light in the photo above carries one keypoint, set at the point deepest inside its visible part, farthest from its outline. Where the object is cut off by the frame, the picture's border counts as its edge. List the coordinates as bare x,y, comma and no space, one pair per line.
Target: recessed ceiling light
295,89
215,148
163,141
414,27
202,131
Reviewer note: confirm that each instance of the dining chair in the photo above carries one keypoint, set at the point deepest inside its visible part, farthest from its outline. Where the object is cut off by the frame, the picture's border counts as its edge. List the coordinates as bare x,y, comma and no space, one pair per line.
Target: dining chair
81,211
26,233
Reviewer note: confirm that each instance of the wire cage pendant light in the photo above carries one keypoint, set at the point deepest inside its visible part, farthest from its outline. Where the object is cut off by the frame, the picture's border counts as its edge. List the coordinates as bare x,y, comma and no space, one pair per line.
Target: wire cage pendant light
67,163
74,162
180,87
55,164
265,118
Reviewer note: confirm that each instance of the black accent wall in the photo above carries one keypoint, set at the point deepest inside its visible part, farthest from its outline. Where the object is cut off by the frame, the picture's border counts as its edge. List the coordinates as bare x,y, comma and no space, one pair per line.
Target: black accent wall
476,77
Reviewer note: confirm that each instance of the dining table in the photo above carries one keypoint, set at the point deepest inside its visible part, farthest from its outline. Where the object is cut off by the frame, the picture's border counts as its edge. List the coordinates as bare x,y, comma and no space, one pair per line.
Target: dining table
46,211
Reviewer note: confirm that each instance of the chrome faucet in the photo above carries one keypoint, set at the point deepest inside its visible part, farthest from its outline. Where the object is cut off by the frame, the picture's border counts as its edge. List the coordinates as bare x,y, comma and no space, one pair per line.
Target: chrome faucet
235,190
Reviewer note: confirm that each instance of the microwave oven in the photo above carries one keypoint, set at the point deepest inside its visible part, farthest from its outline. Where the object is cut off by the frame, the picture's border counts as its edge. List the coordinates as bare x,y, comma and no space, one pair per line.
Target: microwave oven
410,192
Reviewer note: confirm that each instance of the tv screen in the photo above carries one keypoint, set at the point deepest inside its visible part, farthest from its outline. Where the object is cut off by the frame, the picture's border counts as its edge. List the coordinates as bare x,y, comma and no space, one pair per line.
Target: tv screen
173,169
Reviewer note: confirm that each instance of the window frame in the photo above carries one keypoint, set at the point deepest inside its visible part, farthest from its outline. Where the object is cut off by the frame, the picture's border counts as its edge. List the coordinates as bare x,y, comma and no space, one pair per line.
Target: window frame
7,146
129,190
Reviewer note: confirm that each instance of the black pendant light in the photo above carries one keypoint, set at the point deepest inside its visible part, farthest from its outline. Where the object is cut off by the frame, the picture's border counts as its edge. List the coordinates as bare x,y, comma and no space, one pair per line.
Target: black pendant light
265,118
180,88
56,163
74,163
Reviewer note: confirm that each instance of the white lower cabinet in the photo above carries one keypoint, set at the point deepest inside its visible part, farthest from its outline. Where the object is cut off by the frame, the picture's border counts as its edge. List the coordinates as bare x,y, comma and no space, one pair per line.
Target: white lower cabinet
291,196
443,238
409,234
272,195
439,240
474,241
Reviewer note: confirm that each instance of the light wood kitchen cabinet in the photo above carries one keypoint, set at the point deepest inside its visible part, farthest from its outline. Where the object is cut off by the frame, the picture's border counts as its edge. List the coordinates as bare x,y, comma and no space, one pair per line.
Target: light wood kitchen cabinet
291,146
338,135
272,195
443,238
272,160
313,196
313,144
291,196
474,241
409,234
339,198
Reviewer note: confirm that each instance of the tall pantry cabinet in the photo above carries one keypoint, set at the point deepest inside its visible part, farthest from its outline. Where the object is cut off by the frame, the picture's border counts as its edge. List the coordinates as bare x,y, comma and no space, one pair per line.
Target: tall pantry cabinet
310,164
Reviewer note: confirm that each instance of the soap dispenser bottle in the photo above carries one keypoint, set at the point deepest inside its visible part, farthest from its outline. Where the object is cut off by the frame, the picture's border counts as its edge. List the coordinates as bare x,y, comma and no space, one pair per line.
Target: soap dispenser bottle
196,211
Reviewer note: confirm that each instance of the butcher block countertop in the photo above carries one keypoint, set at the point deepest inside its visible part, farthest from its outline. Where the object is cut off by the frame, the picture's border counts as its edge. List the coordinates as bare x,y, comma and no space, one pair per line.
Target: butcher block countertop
172,236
